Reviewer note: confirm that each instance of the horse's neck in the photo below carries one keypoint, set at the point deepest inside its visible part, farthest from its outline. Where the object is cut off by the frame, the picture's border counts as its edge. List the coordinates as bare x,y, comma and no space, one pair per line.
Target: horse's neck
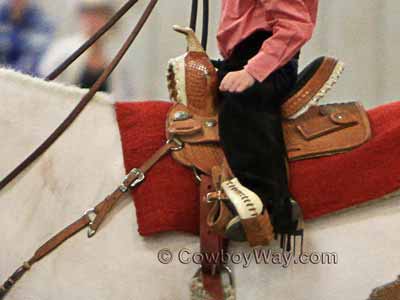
30,109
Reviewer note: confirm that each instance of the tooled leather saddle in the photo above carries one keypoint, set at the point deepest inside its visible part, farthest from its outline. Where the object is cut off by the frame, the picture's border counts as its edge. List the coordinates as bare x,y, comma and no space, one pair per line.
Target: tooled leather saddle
310,130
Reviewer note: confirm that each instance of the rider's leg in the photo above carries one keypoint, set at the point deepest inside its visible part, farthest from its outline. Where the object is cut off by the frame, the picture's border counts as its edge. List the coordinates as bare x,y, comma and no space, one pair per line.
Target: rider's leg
252,139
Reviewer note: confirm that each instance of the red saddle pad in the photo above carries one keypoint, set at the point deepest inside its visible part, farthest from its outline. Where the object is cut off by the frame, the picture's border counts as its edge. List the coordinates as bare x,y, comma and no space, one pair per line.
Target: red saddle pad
168,199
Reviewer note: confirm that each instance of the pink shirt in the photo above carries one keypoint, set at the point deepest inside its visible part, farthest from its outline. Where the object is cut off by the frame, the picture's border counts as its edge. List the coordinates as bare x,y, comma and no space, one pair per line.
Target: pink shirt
291,21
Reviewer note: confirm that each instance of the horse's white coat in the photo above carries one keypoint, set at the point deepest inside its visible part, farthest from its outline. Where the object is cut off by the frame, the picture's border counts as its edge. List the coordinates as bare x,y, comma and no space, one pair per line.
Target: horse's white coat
86,164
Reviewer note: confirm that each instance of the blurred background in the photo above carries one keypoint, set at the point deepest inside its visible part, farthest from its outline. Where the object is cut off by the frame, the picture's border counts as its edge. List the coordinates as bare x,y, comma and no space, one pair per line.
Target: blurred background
362,33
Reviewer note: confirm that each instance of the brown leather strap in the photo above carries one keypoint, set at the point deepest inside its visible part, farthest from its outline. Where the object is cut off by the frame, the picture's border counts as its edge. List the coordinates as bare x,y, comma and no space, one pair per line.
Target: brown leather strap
226,172
103,208
219,217
100,211
210,243
84,101
59,238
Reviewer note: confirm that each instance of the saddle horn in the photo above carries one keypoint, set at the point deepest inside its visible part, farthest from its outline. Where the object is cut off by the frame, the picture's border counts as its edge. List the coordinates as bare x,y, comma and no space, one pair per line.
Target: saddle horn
193,43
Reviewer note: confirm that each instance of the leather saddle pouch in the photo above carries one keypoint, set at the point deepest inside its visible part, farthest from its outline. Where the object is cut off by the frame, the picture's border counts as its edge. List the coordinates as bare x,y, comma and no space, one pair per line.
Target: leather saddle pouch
326,130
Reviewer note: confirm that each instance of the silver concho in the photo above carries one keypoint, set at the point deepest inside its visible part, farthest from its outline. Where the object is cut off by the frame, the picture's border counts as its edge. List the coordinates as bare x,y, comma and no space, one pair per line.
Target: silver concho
181,116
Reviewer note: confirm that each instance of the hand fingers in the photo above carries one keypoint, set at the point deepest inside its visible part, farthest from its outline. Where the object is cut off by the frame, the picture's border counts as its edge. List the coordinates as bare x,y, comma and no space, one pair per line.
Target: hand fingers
244,85
233,82
234,85
226,83
240,89
223,85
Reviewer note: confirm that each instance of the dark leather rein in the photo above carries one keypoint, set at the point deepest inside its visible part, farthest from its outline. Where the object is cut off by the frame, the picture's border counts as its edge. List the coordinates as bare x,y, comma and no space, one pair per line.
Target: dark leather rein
103,77
206,18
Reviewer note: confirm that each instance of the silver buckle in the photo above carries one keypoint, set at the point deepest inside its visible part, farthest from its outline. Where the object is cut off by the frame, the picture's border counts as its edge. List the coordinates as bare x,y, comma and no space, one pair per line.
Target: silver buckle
140,177
212,200
91,214
177,141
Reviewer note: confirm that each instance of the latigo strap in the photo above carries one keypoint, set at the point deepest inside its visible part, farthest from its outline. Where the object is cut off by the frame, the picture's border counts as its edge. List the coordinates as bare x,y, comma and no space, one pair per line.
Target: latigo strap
209,278
93,217
93,90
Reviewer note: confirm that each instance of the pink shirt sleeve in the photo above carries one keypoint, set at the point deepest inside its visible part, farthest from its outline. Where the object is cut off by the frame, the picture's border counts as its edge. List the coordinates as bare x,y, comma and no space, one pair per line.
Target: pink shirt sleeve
292,25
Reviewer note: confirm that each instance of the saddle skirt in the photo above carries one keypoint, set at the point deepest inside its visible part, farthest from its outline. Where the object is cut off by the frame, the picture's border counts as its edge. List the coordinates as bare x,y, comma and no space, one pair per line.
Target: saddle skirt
326,130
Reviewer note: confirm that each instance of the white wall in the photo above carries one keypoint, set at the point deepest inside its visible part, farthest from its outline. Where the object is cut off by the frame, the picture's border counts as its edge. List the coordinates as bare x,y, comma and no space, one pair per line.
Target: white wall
362,33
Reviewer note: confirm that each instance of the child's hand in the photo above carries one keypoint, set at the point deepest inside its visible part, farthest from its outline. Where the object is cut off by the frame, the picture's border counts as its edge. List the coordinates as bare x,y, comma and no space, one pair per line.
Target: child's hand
236,82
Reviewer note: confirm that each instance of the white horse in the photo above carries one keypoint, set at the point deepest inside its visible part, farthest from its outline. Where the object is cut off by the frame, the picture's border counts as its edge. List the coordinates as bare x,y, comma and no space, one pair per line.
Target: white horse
86,164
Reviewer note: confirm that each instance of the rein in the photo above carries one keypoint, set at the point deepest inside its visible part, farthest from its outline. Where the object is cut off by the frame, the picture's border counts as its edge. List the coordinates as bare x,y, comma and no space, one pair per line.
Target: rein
193,15
206,17
206,20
